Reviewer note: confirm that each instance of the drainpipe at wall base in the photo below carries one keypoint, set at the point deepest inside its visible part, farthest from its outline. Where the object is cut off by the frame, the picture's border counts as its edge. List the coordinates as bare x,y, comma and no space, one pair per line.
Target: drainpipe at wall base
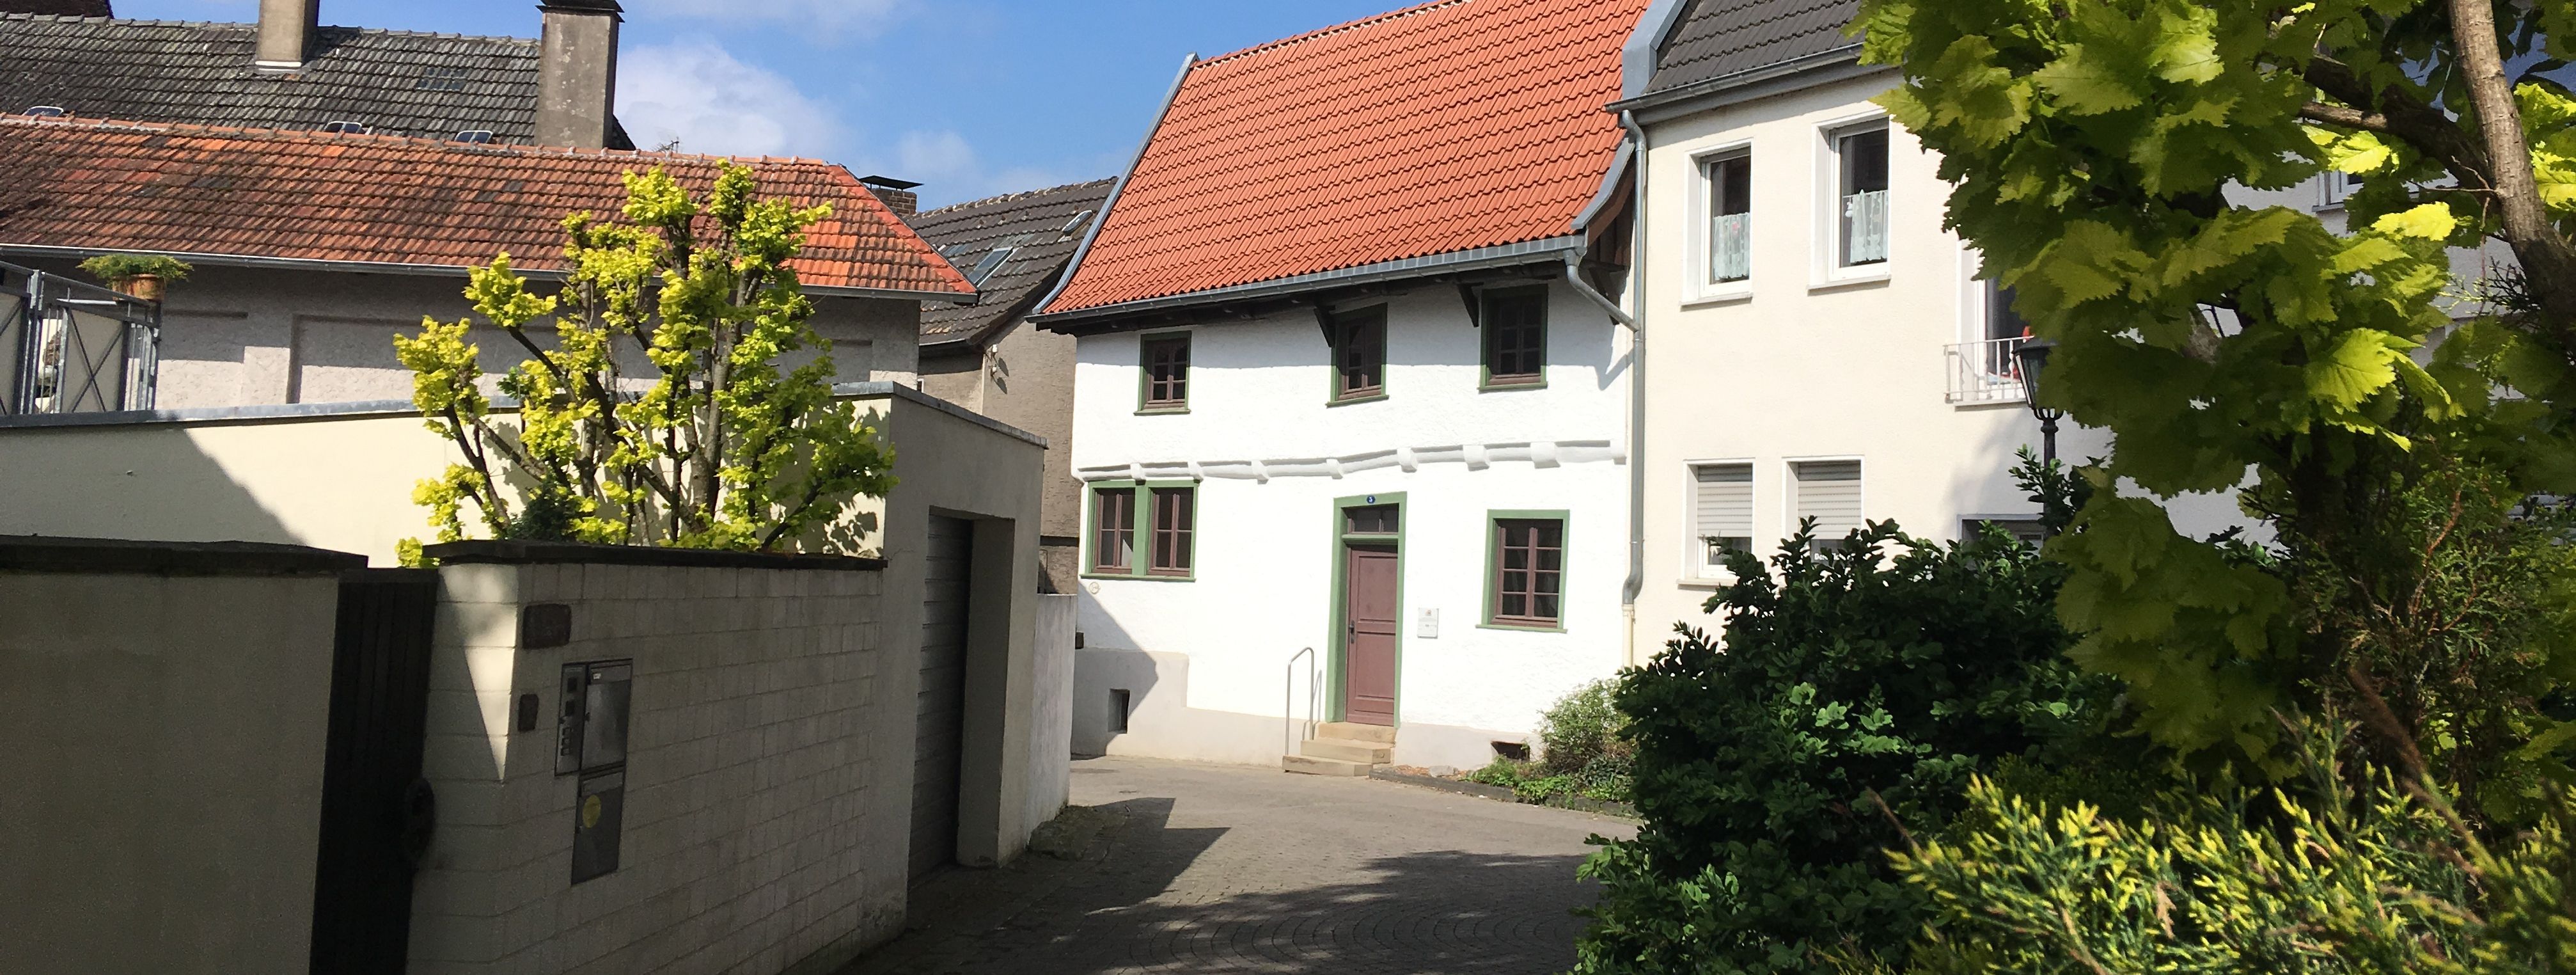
1636,386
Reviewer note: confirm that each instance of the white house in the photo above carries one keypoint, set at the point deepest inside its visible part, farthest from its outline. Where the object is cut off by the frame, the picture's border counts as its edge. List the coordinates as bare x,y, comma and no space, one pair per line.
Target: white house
1351,395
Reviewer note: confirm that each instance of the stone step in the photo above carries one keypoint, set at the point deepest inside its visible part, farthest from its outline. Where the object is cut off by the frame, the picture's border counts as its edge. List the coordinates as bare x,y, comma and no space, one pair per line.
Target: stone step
1346,750
1308,765
1382,734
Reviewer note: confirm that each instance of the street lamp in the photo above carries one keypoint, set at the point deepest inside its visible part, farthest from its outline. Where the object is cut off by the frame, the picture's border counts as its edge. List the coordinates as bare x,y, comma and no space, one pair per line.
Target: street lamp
2033,357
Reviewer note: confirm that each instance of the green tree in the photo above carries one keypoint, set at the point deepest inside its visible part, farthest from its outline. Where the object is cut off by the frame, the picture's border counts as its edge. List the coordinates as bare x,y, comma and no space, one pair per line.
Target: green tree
720,445
2100,153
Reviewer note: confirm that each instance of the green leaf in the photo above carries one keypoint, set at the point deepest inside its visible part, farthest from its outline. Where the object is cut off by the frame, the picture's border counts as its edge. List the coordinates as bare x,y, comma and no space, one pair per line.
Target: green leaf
2431,221
2361,363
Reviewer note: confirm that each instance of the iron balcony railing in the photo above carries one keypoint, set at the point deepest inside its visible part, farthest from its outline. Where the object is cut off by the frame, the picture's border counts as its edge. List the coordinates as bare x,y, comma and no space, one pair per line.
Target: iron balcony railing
1986,372
69,347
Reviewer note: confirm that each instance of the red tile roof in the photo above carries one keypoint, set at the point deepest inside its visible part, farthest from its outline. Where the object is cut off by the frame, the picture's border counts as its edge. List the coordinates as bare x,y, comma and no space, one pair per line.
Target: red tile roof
198,190
1445,127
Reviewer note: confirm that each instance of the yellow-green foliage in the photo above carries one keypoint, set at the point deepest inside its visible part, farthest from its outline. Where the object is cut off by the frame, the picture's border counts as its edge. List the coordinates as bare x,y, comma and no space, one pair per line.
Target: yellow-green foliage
2305,879
716,446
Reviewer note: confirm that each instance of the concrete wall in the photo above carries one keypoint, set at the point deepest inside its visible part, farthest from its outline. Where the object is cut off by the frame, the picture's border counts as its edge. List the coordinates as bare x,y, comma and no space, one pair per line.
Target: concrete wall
752,771
1026,380
235,336
1051,724
952,466
164,770
1272,460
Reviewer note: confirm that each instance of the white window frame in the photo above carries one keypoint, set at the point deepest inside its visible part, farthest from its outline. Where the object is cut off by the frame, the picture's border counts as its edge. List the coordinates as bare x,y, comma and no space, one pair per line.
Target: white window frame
2335,187
1788,507
1705,288
1829,270
1695,570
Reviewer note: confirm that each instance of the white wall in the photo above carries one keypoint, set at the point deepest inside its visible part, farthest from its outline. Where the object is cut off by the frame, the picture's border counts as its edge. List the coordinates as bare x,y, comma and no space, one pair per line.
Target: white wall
1273,459
1051,721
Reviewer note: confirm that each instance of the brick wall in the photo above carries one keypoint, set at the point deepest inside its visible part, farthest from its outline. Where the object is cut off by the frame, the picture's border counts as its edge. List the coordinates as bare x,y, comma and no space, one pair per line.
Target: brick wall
745,844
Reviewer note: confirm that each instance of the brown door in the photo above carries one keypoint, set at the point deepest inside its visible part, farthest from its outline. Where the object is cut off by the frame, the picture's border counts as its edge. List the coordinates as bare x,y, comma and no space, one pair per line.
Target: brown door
1368,636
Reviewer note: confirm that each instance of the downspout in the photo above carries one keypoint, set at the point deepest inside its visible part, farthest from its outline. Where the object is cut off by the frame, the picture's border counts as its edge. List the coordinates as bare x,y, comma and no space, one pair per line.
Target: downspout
1636,389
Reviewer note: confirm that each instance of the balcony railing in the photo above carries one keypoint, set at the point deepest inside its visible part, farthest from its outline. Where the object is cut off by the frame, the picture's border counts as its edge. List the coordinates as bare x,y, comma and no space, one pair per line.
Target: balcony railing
69,347
1986,372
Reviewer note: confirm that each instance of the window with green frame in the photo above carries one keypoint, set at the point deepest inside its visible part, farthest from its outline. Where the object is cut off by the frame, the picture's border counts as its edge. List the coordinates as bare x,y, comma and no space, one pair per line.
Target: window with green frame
1515,324
1165,385
1143,530
1525,571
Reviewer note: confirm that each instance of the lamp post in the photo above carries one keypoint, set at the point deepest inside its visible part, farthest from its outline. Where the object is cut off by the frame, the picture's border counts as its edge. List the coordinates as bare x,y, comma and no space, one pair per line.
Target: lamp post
2033,357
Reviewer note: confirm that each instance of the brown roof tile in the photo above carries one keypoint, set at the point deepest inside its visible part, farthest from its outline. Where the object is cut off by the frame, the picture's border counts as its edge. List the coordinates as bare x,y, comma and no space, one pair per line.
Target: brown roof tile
197,190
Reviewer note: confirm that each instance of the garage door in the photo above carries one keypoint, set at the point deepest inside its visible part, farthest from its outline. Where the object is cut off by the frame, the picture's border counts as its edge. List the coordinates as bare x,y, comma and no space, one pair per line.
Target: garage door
940,720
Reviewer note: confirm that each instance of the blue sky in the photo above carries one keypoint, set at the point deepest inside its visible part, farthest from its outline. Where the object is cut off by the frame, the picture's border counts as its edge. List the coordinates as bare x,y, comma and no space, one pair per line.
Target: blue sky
970,97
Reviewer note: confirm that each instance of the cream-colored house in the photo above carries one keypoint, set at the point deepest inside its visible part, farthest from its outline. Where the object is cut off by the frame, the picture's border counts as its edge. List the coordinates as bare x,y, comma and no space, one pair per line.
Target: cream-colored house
1821,347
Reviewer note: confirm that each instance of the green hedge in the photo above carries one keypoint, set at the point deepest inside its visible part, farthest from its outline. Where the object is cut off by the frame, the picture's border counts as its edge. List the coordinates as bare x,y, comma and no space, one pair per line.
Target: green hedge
1858,688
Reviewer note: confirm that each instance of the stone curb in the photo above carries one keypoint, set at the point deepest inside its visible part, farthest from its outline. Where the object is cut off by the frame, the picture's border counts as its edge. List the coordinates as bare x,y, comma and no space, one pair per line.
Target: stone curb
1499,794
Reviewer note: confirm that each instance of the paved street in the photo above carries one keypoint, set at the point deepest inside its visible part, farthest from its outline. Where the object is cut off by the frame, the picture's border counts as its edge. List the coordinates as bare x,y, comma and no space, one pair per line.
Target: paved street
1208,868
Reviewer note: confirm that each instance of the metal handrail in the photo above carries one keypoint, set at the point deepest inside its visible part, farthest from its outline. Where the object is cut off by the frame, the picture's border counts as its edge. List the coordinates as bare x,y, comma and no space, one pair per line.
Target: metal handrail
1986,372
1288,700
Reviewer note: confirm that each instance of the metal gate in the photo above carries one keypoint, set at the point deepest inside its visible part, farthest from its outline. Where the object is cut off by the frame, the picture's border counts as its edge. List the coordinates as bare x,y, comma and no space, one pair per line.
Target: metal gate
939,721
68,347
376,809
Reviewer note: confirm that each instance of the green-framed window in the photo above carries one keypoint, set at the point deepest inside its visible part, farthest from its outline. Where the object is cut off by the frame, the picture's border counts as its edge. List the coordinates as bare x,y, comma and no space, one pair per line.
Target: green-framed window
1143,530
1515,326
1164,383
1359,355
1525,570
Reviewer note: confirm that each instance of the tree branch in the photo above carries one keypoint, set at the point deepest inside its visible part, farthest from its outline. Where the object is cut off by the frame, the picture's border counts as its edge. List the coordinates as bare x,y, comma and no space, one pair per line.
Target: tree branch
2548,262
2347,117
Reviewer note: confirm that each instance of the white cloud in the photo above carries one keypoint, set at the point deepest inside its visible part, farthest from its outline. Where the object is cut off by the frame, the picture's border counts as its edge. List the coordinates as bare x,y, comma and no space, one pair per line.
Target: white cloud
709,101
954,172
825,16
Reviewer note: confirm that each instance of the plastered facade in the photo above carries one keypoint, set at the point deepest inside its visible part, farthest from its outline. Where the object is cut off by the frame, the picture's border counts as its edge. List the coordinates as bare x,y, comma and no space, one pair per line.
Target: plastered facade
235,336
1210,665
1024,378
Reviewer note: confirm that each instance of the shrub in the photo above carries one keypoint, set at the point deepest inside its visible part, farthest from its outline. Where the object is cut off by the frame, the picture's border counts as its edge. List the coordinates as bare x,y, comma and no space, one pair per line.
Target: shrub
1857,688
124,267
1582,729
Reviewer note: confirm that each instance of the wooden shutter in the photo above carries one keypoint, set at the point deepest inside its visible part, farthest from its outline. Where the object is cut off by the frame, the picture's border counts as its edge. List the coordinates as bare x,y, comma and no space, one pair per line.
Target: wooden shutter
1829,492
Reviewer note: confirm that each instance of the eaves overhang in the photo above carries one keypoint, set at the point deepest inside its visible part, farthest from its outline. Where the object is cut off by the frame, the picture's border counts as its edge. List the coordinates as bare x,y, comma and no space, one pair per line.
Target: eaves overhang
423,270
1821,68
1105,317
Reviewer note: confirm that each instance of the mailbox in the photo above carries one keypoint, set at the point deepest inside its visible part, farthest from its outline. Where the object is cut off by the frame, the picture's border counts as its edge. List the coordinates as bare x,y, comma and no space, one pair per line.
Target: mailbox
590,741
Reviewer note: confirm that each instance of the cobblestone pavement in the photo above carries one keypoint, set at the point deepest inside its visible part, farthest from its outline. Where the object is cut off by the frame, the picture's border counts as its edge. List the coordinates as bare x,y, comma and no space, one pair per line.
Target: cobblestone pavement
1207,868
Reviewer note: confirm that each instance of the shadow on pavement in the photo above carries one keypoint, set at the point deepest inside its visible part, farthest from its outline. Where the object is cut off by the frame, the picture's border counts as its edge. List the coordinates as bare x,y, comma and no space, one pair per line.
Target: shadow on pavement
1431,912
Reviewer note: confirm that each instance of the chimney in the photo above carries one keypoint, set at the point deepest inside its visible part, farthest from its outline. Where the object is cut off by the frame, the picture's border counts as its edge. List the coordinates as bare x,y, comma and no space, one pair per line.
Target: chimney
286,33
897,194
577,78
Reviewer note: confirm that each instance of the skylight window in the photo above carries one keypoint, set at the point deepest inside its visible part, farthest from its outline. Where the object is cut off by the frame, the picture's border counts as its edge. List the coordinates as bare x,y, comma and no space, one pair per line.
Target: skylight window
345,128
475,136
47,111
1075,225
992,262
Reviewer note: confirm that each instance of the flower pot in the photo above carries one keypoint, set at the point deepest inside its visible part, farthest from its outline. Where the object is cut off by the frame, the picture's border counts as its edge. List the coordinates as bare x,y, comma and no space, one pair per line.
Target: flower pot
143,287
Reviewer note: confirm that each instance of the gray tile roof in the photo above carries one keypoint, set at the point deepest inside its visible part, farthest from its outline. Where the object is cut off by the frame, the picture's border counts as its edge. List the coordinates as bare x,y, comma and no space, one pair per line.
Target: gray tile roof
1717,38
1044,227
396,82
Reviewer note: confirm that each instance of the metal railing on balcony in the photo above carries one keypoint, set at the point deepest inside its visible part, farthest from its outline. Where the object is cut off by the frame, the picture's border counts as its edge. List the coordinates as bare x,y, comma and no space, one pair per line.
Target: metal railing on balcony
1986,372
69,347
